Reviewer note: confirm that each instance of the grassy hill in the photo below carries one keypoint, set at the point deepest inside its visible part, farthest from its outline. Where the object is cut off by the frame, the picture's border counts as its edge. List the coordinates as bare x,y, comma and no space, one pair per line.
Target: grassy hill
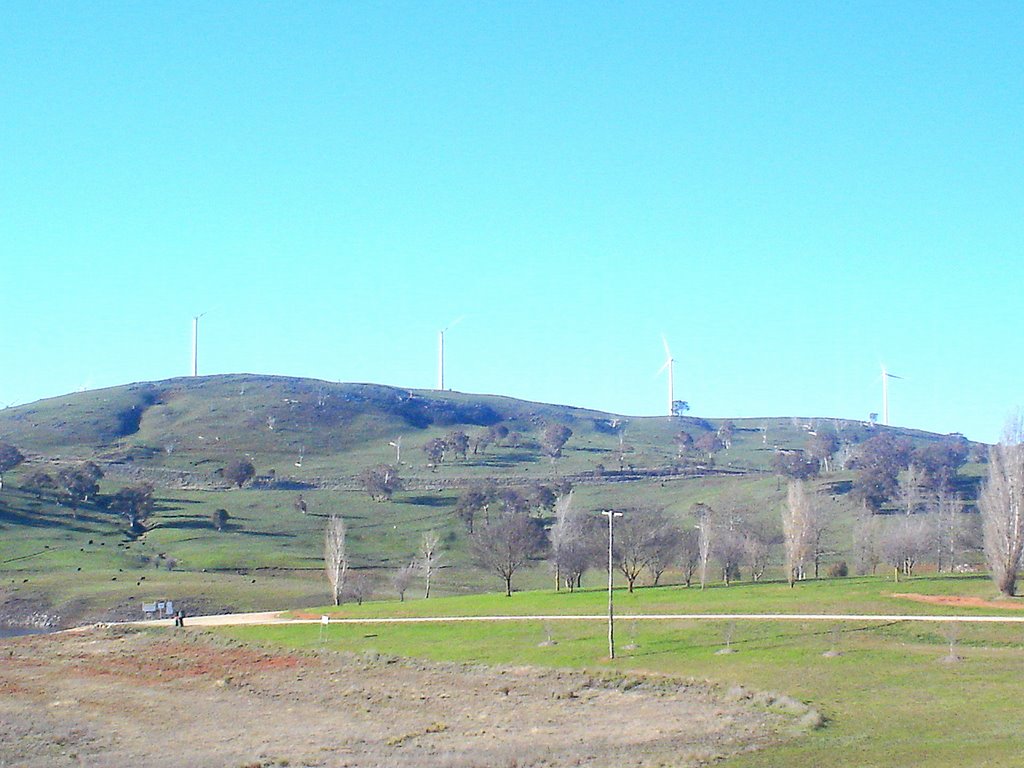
314,437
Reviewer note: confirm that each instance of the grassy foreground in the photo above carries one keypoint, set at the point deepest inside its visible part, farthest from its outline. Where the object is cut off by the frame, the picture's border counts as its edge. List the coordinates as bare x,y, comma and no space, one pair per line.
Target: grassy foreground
890,692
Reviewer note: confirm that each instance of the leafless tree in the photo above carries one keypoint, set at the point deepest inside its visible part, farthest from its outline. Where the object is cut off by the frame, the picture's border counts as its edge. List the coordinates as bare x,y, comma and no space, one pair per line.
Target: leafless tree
731,524
913,496
948,532
1002,508
728,551
756,550
705,520
904,543
335,557
866,544
666,551
358,586
430,559
506,545
689,554
401,579
797,521
570,551
644,538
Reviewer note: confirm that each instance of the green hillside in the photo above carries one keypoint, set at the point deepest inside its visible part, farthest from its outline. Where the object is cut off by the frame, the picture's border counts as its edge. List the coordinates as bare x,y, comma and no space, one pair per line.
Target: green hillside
314,438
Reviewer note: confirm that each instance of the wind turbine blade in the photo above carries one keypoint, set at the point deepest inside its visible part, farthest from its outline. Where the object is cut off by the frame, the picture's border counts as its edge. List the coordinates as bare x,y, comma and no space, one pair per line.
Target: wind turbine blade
666,364
452,324
668,352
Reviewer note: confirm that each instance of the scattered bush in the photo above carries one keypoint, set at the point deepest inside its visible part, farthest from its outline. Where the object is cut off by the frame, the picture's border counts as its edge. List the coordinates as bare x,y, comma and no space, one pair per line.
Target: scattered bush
838,570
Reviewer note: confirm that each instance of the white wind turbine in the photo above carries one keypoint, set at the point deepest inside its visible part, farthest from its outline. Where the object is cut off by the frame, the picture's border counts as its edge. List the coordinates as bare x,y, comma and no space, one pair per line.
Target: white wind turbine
670,365
440,352
397,445
885,393
195,343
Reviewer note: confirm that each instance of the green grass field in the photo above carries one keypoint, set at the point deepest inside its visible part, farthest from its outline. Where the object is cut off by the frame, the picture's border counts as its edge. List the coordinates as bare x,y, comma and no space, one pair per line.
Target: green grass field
889,697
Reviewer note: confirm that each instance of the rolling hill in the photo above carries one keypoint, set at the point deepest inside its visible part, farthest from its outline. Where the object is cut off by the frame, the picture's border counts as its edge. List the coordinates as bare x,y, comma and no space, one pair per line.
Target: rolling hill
314,438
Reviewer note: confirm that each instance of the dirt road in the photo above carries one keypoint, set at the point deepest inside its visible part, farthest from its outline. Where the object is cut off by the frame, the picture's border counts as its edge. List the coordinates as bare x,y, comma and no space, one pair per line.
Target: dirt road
279,617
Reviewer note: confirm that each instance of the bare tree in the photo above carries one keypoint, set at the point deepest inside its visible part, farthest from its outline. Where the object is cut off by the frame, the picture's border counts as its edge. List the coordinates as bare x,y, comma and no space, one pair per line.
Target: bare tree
358,586
689,554
731,525
904,543
704,515
913,496
947,528
866,535
1002,508
430,559
797,521
564,533
666,550
335,557
757,550
401,580
506,545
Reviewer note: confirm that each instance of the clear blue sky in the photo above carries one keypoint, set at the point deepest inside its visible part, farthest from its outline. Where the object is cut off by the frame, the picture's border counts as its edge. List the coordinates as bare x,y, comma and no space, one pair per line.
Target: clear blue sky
793,192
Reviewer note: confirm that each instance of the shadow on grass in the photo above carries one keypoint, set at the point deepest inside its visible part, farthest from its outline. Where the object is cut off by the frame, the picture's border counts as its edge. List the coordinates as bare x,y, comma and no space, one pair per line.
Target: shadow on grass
424,500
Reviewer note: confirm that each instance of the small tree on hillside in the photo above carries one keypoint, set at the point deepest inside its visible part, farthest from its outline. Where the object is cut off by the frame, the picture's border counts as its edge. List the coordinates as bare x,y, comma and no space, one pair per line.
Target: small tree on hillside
220,519
39,482
79,484
457,442
553,439
708,444
10,457
434,449
381,481
472,501
335,556
239,472
135,503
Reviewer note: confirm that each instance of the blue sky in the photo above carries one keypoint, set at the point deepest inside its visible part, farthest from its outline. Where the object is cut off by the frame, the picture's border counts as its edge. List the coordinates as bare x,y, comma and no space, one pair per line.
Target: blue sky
792,192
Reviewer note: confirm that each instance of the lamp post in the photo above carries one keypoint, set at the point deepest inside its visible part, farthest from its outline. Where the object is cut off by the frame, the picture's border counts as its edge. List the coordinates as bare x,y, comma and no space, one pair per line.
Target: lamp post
611,515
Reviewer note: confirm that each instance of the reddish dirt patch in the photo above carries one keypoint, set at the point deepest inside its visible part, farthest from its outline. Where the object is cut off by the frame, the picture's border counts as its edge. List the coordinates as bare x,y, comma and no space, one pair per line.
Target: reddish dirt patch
959,601
116,697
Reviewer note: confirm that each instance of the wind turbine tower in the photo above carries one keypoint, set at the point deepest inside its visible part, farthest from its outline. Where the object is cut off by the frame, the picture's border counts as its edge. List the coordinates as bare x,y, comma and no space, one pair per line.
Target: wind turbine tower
440,352
195,344
885,393
670,365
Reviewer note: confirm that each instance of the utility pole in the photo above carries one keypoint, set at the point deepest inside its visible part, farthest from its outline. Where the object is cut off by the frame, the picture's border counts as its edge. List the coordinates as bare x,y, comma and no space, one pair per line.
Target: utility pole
611,515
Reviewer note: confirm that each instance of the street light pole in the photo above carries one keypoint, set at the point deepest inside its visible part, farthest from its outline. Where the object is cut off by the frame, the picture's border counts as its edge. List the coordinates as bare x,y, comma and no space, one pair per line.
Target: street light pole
611,515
